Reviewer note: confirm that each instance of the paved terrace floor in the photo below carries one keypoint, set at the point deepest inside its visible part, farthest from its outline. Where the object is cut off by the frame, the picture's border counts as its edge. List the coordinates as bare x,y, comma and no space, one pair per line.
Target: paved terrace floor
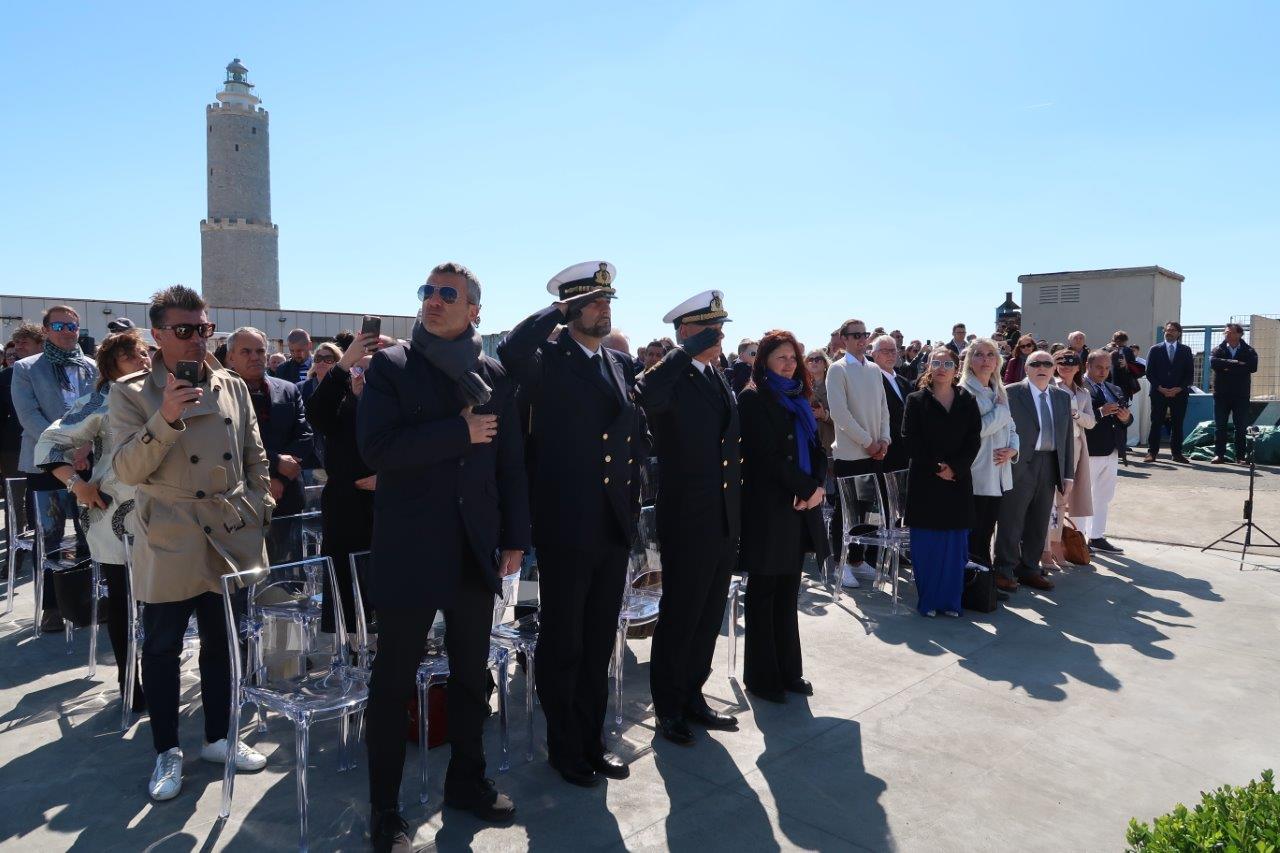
1139,682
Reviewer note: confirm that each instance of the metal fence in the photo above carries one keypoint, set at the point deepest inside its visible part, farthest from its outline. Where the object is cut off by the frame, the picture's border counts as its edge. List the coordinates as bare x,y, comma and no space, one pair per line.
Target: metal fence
1204,338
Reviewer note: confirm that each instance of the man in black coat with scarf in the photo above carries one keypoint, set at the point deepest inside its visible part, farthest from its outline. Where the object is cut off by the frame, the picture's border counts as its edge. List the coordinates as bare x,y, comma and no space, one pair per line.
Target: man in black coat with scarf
584,429
437,423
694,419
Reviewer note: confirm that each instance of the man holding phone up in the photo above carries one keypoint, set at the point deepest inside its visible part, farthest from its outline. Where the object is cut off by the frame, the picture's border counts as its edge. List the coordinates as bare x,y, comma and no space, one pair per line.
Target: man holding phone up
193,451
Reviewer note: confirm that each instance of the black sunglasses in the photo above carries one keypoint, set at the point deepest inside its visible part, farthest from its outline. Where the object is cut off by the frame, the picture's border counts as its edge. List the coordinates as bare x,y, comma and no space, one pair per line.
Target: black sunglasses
184,331
1039,364
448,295
857,336
1069,360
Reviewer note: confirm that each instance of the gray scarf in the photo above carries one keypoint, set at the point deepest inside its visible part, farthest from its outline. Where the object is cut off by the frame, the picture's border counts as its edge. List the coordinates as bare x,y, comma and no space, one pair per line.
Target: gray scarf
459,359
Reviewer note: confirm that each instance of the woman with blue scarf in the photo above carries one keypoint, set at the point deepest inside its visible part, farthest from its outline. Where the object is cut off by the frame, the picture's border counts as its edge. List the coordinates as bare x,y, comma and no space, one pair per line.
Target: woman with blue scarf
783,468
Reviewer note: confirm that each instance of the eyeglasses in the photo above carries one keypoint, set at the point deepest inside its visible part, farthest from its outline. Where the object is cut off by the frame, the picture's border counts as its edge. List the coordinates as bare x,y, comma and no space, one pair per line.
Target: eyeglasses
184,331
948,364
64,326
1069,361
815,360
448,295
857,336
325,359
1040,364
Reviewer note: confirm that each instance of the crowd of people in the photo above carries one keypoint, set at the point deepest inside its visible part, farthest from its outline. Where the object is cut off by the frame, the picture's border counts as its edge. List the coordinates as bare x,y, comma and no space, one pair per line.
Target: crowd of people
1005,440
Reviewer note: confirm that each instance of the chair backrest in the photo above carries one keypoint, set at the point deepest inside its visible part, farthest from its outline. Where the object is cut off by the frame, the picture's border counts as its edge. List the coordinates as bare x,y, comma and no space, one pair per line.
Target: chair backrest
288,536
863,503
895,483
260,590
311,498
126,540
646,560
360,562
15,507
648,481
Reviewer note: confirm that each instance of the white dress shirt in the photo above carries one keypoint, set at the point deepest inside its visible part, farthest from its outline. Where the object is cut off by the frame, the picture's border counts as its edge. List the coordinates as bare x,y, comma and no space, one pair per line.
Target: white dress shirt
893,382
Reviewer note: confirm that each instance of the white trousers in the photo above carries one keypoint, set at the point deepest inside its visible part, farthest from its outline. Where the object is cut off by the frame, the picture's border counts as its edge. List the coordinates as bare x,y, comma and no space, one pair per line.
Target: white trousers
1103,470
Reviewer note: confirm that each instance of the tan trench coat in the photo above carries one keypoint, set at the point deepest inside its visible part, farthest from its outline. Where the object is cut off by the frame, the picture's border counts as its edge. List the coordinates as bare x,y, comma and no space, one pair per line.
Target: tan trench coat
203,499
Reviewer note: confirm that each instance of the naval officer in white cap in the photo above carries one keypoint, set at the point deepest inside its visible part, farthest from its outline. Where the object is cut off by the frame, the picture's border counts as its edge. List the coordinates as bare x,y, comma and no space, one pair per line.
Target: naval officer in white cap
694,420
585,437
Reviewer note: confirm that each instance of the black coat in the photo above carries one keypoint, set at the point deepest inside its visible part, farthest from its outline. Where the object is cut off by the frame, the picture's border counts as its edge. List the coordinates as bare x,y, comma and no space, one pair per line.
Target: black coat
10,426
774,535
897,458
932,435
584,437
284,429
345,511
1231,376
442,503
696,438
1108,434
1179,373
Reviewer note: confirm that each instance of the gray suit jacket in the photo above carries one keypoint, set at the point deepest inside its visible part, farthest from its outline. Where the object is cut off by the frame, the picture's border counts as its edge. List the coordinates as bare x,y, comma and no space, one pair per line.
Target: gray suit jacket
1027,421
38,400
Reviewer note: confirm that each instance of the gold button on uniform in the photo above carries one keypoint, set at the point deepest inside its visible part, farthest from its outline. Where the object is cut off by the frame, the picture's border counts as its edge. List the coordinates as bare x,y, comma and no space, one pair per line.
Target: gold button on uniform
725,463
608,459
604,437
606,481
725,486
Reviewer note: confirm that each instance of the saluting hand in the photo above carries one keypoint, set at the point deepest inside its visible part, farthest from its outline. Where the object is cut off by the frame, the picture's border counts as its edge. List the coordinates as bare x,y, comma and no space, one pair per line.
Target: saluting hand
482,427
572,307
697,344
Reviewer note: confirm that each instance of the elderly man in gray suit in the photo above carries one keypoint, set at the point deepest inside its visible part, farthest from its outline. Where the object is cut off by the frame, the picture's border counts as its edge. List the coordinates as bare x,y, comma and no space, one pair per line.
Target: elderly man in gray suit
1046,461
44,387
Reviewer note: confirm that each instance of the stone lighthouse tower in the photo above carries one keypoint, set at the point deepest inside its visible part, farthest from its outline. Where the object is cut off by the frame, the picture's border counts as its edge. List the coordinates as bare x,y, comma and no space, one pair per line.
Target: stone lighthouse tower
239,258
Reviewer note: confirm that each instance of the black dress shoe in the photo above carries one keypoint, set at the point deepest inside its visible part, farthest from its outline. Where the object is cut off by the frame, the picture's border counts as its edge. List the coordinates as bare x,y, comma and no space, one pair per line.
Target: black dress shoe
1181,459
777,696
388,832
487,803
802,686
51,622
676,730
706,717
610,765
577,773
1002,596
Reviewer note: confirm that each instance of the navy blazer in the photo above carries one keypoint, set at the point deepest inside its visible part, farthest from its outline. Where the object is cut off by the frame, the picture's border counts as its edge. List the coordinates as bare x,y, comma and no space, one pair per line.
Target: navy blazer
697,437
1231,376
443,505
1179,373
1107,434
285,430
586,436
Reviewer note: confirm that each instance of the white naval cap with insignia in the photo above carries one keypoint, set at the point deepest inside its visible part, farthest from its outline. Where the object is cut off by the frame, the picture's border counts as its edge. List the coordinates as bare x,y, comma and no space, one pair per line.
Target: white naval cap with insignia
707,307
580,278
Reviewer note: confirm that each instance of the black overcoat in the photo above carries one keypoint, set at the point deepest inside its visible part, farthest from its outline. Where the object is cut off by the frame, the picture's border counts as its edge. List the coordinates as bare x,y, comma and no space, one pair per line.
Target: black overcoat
774,534
442,503
932,435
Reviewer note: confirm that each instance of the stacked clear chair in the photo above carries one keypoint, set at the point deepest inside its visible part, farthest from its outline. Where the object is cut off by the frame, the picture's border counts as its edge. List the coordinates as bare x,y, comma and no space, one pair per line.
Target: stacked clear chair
19,537
287,672
640,598
873,511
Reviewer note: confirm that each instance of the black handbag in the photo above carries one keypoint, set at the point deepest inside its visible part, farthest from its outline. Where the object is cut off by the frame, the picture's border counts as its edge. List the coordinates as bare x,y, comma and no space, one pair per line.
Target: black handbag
979,590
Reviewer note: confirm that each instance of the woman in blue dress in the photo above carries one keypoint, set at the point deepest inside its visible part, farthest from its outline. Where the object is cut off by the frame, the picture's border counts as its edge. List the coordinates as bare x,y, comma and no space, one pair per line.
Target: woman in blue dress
942,429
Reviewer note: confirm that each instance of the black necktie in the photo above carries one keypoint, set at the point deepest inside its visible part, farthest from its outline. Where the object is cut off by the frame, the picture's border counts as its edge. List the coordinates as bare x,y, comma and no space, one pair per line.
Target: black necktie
598,362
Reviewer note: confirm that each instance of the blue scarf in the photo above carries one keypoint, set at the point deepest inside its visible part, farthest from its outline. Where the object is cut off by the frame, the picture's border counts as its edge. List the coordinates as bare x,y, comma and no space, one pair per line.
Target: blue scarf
60,359
788,393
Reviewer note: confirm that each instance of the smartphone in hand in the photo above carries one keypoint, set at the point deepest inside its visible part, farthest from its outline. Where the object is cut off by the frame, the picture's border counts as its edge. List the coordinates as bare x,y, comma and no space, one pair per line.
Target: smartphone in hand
188,371
371,326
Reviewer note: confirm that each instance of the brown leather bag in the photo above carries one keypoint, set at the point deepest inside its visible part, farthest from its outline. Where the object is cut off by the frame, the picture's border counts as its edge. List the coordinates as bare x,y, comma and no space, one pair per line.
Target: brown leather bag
1074,546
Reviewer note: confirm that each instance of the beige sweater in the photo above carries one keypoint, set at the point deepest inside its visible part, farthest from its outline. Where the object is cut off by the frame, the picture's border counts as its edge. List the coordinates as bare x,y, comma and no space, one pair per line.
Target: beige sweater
855,394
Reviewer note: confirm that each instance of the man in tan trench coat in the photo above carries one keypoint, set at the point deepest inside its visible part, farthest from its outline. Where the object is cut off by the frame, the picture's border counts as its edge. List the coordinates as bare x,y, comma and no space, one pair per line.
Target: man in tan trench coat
195,455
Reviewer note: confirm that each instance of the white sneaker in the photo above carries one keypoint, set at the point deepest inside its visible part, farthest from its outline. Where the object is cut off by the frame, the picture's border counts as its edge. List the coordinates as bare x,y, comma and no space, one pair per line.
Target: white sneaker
865,570
248,759
166,779
931,613
847,580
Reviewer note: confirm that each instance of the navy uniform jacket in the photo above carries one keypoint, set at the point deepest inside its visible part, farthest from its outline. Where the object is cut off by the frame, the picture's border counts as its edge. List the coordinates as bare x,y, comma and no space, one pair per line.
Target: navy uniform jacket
1179,373
1230,380
1108,434
585,436
440,498
284,429
698,442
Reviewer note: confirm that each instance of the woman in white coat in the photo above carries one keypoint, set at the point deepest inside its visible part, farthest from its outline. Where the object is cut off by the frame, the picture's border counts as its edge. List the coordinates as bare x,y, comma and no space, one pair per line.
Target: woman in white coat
992,471
107,502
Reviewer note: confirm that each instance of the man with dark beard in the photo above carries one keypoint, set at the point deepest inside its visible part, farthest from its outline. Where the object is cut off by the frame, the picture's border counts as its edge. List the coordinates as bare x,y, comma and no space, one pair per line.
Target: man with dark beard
584,429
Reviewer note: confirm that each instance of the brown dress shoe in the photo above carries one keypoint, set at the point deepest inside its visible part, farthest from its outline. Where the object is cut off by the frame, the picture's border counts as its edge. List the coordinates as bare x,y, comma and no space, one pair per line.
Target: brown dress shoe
1148,458
1006,584
1038,582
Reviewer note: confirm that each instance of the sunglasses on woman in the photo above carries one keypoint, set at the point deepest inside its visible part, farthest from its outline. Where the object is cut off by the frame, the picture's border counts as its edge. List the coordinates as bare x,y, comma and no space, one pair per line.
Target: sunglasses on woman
448,295
1026,346
1069,361
64,326
184,331
814,360
948,364
325,359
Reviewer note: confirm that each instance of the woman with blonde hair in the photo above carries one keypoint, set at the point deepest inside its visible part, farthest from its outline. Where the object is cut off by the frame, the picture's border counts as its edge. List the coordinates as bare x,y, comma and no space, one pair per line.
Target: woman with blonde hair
992,468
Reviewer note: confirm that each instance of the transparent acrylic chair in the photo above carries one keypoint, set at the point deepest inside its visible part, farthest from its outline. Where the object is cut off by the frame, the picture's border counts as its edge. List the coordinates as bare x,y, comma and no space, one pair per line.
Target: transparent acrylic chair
872,517
42,559
96,591
640,598
434,668
519,636
324,689
737,584
20,537
291,538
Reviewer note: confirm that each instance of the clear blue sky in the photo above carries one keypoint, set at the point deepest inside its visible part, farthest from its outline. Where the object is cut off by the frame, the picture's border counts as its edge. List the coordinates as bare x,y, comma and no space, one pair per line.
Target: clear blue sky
815,161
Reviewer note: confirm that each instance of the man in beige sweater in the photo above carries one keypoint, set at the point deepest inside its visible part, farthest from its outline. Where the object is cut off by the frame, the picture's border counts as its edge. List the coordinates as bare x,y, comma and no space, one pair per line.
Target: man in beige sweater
855,394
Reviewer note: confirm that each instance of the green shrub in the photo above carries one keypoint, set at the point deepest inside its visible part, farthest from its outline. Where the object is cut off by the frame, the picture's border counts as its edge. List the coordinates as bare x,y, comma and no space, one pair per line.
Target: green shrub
1232,820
